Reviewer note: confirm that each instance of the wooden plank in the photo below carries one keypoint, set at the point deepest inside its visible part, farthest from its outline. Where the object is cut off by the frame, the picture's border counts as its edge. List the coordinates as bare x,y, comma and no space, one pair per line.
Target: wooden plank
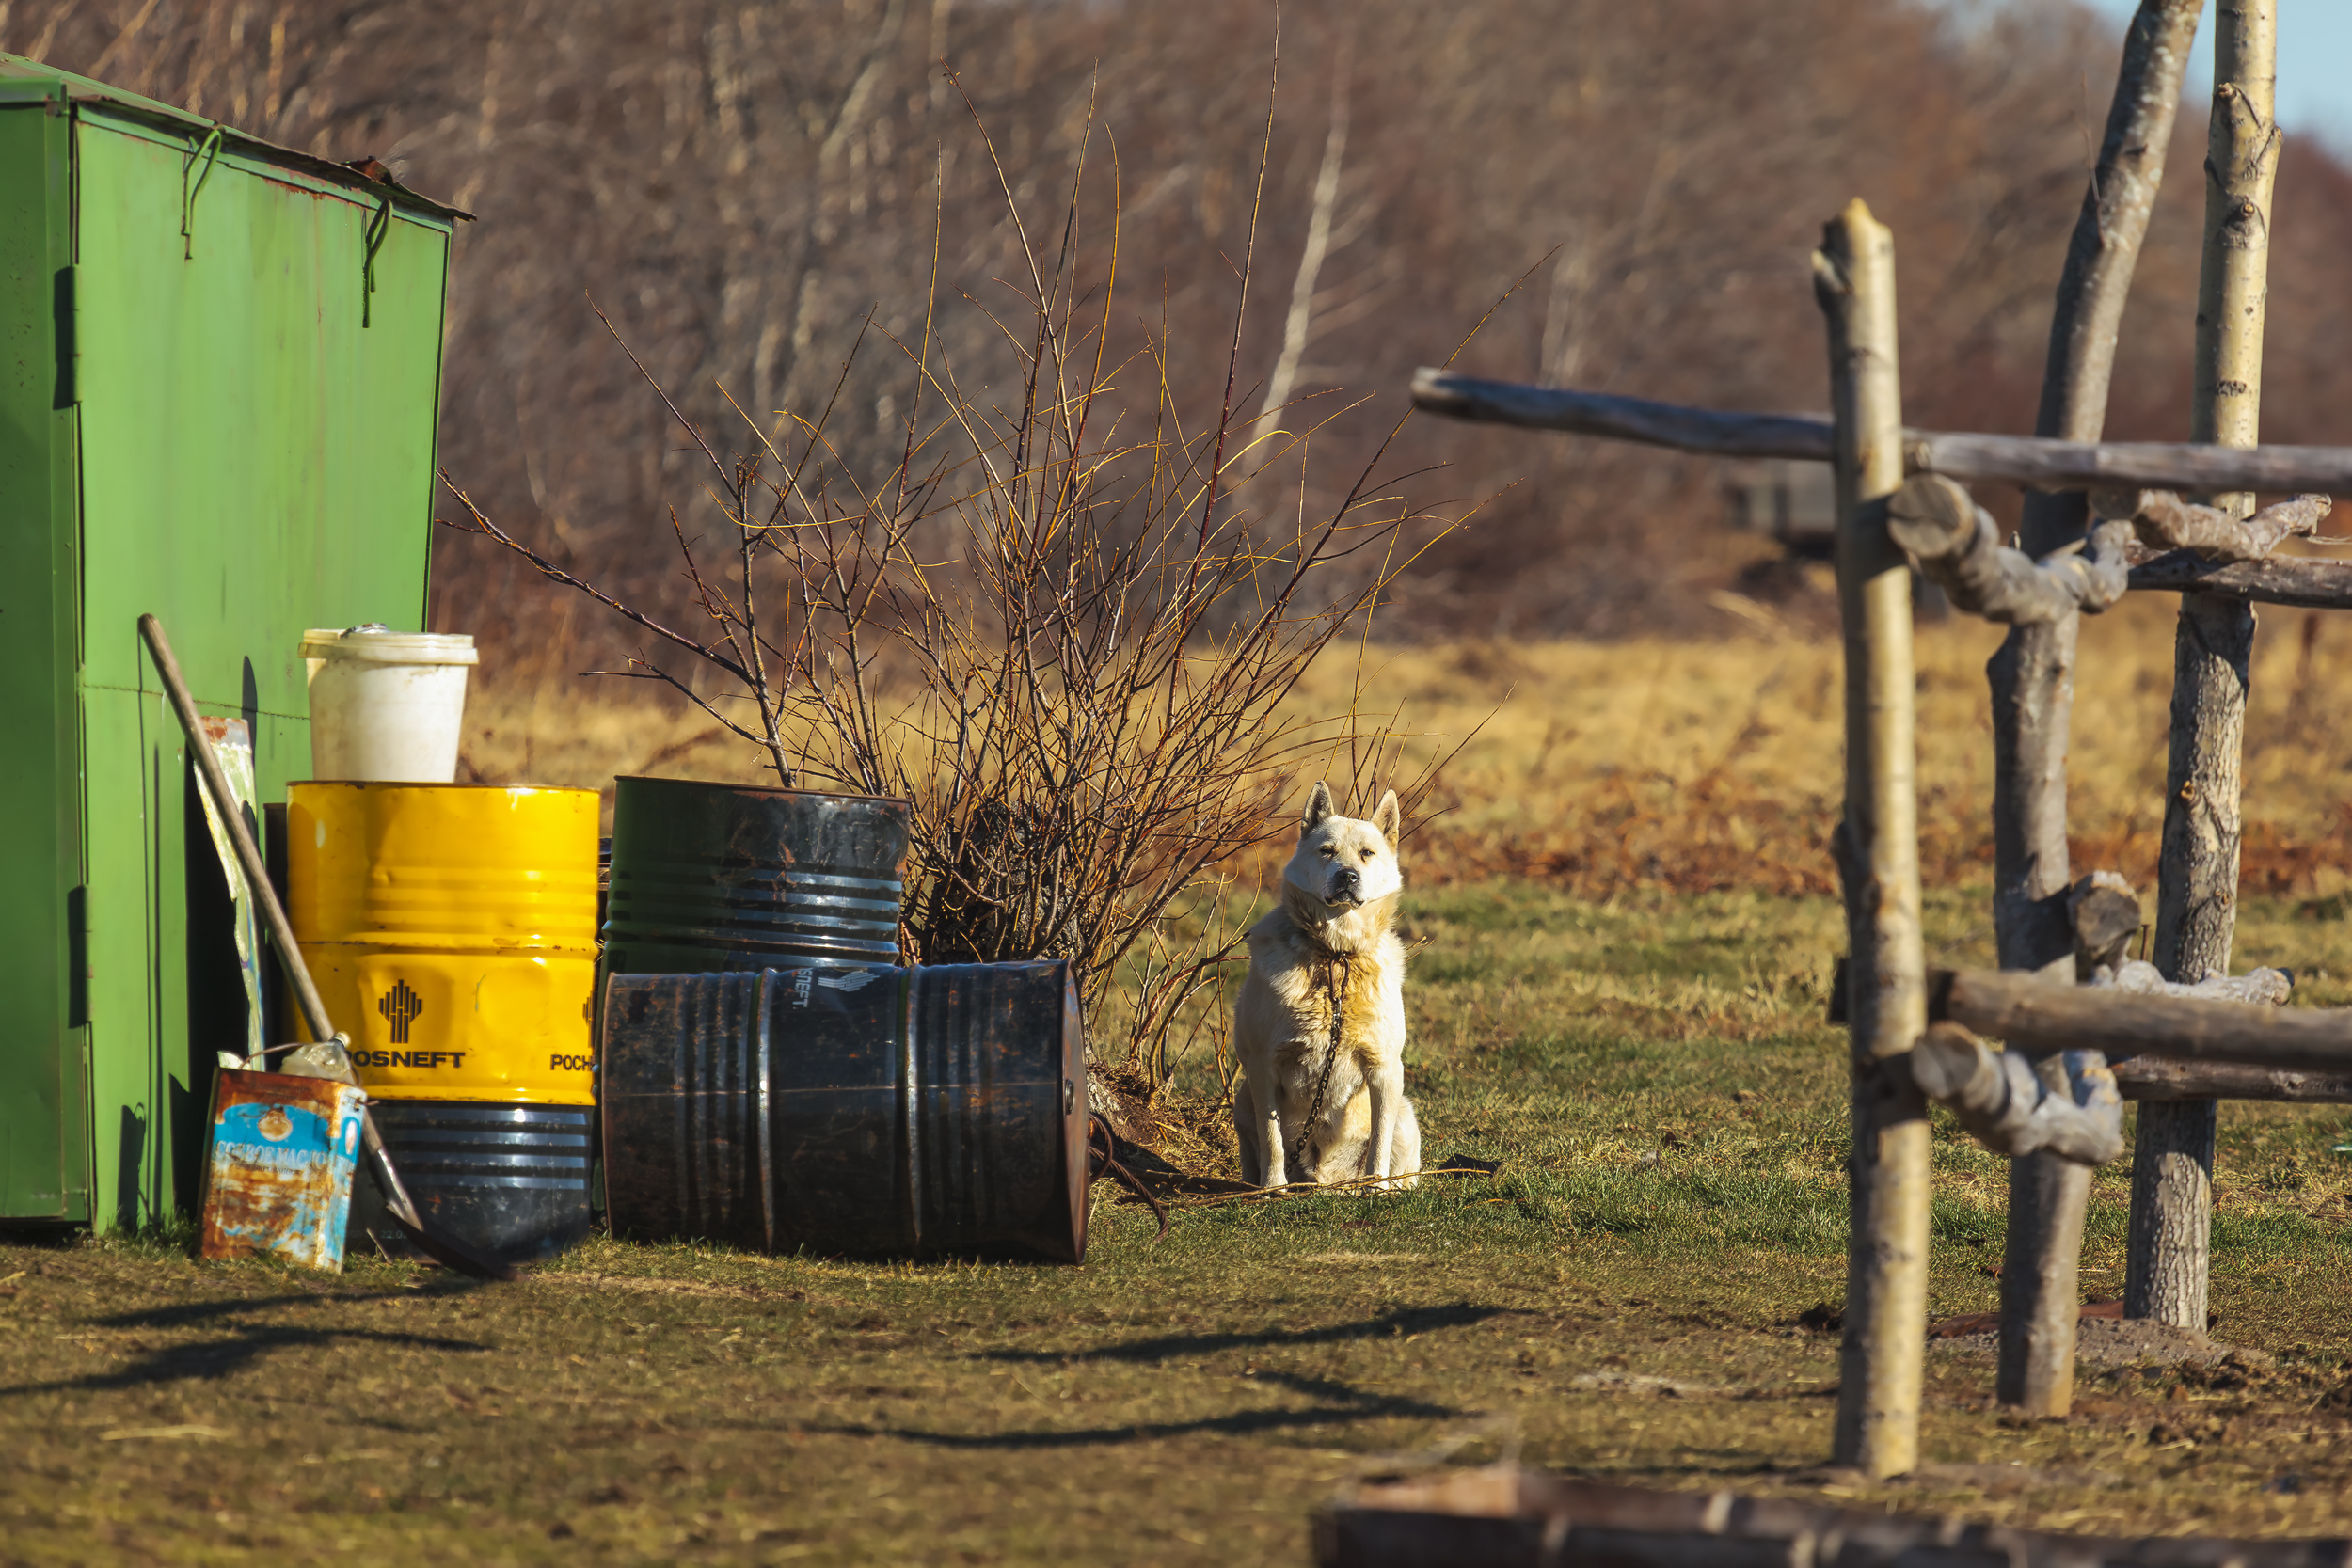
1505,1517
2027,460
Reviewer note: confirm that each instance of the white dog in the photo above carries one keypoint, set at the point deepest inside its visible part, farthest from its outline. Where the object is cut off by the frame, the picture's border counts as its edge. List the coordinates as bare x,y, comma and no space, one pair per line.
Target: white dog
1319,1027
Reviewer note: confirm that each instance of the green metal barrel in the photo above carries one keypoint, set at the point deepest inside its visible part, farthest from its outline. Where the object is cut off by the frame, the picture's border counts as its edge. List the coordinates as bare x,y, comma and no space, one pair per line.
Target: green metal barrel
709,877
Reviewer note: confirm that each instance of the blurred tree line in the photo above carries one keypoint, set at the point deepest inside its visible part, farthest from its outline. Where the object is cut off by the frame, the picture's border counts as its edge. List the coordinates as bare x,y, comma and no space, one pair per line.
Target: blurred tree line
743,185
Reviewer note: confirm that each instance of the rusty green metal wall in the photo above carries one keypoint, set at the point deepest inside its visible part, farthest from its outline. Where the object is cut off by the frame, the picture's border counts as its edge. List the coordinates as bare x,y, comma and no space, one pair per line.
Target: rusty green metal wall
244,459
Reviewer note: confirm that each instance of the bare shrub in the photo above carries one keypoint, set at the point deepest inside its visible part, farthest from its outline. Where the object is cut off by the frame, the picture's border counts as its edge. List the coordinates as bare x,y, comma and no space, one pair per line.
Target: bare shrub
1064,626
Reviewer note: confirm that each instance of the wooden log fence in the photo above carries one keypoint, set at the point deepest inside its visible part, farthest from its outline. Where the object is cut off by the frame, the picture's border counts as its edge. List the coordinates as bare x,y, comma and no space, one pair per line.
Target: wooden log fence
2027,460
2102,518
2014,459
2302,583
1957,547
2036,1014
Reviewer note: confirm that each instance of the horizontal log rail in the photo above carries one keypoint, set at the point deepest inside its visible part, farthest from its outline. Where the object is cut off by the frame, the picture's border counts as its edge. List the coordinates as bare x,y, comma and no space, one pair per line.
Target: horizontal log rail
2030,1013
2026,460
2162,1077
2308,584
2143,1069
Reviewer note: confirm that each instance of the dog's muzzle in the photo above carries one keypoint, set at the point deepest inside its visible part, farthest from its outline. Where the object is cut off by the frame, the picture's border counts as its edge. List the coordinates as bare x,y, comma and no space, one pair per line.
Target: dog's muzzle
1346,887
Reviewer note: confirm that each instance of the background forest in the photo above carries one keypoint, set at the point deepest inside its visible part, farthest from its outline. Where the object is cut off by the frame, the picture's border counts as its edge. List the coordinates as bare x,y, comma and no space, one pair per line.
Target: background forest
740,185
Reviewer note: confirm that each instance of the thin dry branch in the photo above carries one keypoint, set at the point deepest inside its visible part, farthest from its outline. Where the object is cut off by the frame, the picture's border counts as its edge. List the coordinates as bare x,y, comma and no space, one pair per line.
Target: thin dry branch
1084,700
480,523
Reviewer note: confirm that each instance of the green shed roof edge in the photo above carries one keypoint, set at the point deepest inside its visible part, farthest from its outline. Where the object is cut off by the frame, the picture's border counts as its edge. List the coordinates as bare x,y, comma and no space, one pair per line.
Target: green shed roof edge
82,90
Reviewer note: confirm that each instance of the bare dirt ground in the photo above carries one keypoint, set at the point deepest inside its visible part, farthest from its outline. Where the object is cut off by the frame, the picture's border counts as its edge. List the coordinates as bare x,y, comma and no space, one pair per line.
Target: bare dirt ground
1621,1300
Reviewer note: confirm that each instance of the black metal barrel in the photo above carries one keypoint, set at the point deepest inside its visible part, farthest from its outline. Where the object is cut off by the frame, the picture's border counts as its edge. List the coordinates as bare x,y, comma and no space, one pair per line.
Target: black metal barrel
876,1111
714,876
509,1179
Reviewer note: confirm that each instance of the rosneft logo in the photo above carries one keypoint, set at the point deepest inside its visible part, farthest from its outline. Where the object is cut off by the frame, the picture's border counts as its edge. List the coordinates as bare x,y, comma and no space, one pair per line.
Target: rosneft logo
400,1006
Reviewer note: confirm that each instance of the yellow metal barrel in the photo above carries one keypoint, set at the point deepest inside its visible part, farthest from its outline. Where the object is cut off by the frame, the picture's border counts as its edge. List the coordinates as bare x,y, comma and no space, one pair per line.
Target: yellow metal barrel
451,930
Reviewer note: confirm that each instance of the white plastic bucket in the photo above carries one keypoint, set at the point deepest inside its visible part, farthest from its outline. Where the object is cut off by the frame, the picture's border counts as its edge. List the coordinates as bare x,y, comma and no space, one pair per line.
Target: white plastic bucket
386,707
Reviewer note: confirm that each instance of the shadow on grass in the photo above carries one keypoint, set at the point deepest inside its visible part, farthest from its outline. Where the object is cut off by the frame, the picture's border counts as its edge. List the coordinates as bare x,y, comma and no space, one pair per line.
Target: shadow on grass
1405,1320
184,1313
1340,1403
219,1358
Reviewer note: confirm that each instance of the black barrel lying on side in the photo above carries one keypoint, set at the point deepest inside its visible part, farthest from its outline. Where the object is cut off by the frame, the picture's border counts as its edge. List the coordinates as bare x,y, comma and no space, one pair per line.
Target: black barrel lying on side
875,1111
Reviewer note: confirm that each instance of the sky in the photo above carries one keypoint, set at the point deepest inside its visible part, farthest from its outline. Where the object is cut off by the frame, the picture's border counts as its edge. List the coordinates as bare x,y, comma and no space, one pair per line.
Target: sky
2315,65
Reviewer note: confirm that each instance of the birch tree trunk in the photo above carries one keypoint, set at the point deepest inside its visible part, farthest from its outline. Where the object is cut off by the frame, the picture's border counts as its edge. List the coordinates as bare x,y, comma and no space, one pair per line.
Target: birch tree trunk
1298,321
1886,1324
2213,652
2032,678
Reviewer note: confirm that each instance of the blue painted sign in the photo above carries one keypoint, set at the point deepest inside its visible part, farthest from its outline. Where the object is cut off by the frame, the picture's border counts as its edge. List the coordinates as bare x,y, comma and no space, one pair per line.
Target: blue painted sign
279,1181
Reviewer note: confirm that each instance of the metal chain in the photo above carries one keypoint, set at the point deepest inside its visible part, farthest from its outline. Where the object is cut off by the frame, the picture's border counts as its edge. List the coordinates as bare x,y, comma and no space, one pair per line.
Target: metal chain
1338,970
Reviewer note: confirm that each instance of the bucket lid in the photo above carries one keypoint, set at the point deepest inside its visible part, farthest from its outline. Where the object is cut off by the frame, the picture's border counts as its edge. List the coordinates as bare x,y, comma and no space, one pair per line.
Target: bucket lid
374,644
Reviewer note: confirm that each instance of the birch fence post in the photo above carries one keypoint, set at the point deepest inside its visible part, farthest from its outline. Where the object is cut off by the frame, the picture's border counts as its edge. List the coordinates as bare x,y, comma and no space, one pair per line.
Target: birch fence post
1886,1321
2033,687
2213,652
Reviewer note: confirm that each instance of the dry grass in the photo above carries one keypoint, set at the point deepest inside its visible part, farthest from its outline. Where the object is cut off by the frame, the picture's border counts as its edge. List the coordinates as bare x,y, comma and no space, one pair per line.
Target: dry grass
1692,766
1653,1071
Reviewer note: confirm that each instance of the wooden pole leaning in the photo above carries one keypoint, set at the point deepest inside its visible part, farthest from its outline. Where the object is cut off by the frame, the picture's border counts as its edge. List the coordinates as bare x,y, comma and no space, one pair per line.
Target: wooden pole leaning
2032,681
1882,1361
2172,1217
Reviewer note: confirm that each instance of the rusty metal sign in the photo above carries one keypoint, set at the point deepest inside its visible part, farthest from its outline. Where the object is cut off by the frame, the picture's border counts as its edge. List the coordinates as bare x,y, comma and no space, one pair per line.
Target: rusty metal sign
279,1178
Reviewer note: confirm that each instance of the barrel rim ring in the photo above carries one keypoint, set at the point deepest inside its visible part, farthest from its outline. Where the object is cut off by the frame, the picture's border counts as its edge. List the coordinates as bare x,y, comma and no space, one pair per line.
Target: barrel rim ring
762,789
403,783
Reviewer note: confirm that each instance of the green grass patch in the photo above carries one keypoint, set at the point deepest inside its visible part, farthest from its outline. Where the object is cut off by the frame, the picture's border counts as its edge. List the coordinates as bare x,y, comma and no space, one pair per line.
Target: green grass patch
1668,1102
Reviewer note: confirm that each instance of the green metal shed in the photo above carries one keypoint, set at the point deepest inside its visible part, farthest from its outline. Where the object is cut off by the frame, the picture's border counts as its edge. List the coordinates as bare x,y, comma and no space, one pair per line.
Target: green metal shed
219,380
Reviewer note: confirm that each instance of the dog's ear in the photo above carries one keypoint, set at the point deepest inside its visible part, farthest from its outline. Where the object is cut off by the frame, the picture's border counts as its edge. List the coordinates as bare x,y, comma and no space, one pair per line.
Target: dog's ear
1389,817
1319,808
